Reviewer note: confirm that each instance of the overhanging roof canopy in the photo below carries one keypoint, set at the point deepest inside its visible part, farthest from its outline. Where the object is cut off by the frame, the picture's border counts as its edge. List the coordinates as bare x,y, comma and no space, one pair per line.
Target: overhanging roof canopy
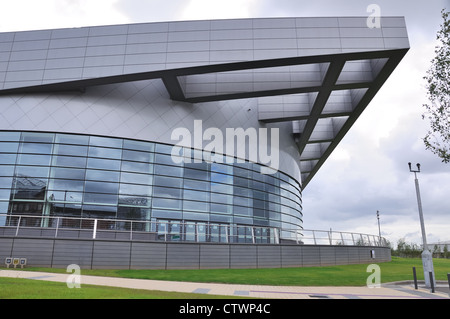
318,73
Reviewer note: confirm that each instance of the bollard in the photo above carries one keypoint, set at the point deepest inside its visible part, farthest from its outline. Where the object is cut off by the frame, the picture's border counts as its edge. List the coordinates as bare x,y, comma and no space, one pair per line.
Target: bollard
448,278
431,282
415,278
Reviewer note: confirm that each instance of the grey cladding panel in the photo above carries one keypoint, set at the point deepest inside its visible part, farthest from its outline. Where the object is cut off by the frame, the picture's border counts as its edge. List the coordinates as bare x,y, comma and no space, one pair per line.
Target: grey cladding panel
183,256
270,38
111,255
67,252
269,256
214,256
37,251
148,256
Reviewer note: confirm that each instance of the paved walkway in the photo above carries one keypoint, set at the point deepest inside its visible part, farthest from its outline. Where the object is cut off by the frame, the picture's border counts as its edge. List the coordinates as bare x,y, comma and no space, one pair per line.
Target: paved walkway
389,291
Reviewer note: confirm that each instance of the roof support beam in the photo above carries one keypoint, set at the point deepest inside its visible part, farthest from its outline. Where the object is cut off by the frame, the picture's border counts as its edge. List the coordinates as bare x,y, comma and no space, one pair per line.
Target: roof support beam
329,81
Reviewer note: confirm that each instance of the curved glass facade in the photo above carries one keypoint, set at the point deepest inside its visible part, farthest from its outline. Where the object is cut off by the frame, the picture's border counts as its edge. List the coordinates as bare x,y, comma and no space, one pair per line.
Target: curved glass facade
101,177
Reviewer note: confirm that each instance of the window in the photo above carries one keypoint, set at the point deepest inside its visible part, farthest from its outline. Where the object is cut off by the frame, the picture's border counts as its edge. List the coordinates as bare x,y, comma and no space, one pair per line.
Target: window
137,167
67,173
107,176
99,177
36,148
110,153
69,161
137,156
136,178
132,189
101,163
7,147
71,150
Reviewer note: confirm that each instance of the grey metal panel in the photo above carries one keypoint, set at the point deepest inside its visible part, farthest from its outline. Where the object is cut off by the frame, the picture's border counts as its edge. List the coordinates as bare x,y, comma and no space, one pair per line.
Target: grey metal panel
67,43
111,255
327,255
148,28
311,256
274,23
183,256
67,252
341,255
315,33
108,30
364,254
26,36
273,38
70,33
60,253
243,256
6,245
231,24
291,256
37,251
69,53
269,256
148,256
6,47
28,55
214,256
353,255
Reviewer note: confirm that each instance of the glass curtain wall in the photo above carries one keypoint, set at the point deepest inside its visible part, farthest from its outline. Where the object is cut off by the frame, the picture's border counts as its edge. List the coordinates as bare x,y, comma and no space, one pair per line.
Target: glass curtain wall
52,174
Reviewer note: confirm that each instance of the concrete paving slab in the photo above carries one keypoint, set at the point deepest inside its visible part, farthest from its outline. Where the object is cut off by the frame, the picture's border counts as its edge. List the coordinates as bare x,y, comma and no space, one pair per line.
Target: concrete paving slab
396,291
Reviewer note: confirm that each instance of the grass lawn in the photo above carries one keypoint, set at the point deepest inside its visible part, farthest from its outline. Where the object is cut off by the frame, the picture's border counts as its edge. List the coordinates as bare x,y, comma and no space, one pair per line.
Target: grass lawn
398,269
17,288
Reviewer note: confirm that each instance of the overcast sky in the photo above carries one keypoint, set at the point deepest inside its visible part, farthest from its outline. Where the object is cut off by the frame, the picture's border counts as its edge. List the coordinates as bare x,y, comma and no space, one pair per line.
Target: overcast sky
368,171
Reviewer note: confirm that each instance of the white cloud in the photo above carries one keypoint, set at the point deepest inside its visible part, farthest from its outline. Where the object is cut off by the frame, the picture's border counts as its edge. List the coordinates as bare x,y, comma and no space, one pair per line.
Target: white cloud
20,15
216,9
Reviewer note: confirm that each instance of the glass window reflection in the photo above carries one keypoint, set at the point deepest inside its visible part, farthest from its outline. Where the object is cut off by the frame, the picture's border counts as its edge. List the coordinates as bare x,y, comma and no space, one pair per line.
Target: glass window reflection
136,178
101,163
6,170
105,141
110,153
36,148
7,147
72,139
131,189
98,175
7,158
69,161
28,159
101,187
137,156
37,137
138,146
71,150
66,185
115,177
137,167
67,173
32,171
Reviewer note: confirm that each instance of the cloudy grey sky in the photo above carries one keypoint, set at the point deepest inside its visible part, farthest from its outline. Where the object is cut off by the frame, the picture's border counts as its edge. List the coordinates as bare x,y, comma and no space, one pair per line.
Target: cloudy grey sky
368,171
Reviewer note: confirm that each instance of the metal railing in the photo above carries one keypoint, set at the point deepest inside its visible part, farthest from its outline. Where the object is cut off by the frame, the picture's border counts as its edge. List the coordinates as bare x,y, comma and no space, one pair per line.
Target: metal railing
173,231
335,238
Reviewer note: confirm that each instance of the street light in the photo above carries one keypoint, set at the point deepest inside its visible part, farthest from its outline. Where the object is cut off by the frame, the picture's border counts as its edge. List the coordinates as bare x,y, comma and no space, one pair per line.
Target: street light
427,258
379,229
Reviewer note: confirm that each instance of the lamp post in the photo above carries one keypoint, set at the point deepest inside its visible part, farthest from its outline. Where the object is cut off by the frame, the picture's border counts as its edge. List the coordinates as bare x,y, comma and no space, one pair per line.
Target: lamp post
427,260
379,229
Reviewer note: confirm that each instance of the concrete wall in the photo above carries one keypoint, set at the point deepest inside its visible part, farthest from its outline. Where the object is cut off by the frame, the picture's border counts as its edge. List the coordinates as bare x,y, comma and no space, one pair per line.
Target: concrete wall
97,254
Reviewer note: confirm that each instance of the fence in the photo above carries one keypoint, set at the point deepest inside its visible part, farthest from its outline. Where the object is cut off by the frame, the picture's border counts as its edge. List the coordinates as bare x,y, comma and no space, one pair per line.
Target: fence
173,231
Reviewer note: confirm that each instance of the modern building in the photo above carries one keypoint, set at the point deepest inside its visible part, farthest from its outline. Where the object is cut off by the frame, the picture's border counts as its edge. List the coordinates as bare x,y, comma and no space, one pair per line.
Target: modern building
90,122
